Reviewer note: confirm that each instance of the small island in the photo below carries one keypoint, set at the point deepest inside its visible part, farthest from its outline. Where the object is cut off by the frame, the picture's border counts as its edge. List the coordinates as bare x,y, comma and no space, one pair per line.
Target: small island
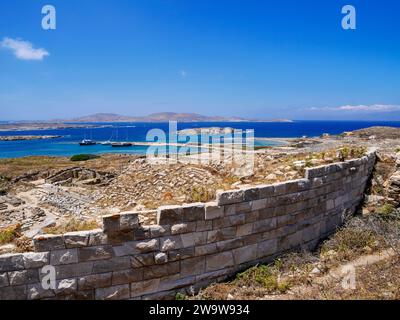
25,138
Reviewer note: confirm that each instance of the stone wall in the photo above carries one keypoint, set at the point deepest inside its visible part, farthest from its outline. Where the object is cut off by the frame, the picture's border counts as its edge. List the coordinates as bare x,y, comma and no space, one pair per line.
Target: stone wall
192,245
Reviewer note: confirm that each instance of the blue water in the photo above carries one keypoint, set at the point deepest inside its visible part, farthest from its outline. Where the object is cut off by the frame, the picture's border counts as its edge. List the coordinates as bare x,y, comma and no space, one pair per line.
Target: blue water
68,144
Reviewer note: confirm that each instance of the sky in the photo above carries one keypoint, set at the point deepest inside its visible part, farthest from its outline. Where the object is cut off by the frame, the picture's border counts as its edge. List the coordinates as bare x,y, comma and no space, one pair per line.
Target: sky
247,58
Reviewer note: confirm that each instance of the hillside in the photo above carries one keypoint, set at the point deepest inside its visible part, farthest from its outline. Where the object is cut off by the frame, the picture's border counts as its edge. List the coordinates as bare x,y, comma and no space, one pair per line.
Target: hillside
164,117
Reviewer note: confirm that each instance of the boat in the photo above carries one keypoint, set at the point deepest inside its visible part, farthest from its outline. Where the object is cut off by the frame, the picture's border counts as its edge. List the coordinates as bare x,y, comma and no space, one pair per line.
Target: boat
121,144
106,143
87,142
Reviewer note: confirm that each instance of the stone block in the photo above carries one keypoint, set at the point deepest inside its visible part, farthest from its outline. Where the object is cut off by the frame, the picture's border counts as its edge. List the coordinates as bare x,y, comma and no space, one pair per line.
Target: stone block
183,228
266,191
169,215
171,243
251,193
158,271
44,243
245,254
180,254
113,264
193,212
76,239
142,260
206,249
244,229
193,266
129,220
161,258
203,226
159,231
127,276
144,287
97,238
230,197
220,235
229,244
259,204
36,292
120,292
193,239
219,261
11,262
17,278
267,248
94,281
95,253
74,270
111,223
66,256
66,286
213,211
4,280
35,259
265,225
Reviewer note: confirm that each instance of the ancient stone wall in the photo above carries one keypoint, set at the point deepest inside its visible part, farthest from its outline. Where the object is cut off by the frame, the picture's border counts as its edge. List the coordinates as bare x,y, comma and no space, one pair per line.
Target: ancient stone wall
192,245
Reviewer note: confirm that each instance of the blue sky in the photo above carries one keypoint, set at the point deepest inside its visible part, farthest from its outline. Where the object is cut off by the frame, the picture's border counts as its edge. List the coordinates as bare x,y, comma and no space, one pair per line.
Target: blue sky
268,59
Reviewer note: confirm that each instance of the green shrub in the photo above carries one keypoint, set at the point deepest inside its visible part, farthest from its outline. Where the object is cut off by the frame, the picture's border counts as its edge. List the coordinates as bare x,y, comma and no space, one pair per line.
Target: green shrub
385,209
180,296
84,157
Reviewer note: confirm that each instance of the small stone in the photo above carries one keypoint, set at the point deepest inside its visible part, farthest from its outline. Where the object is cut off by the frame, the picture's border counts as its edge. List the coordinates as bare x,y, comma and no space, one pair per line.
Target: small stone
161,258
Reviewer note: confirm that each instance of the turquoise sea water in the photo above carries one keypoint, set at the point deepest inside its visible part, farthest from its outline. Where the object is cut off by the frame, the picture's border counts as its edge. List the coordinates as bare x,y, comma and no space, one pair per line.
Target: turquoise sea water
68,144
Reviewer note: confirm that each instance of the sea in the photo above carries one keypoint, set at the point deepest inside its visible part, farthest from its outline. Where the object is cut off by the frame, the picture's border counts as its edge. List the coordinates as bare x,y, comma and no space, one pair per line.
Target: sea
68,144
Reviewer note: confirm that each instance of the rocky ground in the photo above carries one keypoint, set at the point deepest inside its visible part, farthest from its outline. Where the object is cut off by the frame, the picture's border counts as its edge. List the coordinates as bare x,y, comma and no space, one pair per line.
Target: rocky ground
40,192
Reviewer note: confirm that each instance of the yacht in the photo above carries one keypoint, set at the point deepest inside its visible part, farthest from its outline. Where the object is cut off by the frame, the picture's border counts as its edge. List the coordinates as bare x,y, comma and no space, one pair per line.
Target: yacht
121,144
87,142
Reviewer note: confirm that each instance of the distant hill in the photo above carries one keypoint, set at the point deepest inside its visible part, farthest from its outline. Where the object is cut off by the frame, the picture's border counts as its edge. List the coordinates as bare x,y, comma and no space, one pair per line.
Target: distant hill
164,117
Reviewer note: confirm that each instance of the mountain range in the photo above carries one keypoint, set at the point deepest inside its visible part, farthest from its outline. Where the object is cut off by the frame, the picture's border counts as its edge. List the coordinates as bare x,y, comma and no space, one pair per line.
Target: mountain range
163,117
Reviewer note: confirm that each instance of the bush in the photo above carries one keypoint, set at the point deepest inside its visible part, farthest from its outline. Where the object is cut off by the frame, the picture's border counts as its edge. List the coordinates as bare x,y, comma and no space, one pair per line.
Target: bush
385,209
72,225
9,234
84,157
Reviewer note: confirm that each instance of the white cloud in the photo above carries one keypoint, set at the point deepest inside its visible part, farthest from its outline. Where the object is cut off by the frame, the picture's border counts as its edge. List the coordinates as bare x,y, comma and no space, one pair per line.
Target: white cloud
23,50
183,73
361,108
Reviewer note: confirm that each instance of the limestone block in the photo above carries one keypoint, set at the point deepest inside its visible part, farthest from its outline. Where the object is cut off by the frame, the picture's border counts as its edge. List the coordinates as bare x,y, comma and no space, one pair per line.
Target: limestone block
95,253
230,197
44,243
17,278
193,266
219,261
76,239
11,262
213,211
94,281
35,260
66,256
245,254
169,215
120,292
127,276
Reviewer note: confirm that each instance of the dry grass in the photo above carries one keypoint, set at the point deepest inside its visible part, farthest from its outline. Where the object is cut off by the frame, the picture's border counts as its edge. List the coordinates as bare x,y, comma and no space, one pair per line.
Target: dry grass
72,225
9,234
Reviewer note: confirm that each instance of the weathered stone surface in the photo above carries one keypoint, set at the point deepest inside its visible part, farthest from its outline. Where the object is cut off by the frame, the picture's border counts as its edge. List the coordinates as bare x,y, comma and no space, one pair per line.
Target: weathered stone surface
213,211
206,249
259,204
66,256
13,293
252,193
11,262
219,261
180,254
3,280
245,254
44,243
267,248
229,197
23,277
193,239
265,225
193,212
169,215
193,266
111,223
95,253
222,234
144,287
129,220
161,258
97,237
74,270
66,286
159,231
147,246
113,264
203,226
158,271
183,228
95,281
35,259
171,243
120,292
142,260
76,239
127,276
244,229
36,292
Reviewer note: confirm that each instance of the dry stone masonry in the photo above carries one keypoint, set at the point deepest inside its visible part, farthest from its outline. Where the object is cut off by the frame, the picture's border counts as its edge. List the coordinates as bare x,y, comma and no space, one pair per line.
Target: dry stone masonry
192,245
